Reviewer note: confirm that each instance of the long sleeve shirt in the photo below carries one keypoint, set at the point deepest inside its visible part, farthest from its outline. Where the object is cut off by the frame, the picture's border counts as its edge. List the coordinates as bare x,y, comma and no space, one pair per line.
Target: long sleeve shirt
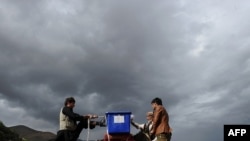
160,120
70,113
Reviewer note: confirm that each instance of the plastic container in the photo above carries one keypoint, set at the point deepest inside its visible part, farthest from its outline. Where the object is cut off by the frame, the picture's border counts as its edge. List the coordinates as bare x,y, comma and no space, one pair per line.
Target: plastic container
118,122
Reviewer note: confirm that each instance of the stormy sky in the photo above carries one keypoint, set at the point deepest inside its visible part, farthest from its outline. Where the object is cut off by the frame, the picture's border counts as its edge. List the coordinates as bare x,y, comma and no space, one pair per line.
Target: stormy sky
118,55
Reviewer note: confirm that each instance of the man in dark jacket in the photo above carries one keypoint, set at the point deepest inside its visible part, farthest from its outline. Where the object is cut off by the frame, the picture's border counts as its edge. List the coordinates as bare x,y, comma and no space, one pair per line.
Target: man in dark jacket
71,124
160,128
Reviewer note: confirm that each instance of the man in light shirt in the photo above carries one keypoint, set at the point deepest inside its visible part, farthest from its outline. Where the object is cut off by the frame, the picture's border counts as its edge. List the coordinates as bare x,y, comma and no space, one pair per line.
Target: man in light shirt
146,127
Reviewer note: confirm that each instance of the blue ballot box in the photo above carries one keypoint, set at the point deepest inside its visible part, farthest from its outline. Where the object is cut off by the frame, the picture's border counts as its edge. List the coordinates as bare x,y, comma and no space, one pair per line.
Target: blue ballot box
118,122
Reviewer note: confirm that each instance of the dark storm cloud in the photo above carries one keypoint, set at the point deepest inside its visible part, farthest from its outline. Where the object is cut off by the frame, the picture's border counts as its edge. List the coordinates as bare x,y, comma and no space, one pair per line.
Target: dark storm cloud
120,55
111,71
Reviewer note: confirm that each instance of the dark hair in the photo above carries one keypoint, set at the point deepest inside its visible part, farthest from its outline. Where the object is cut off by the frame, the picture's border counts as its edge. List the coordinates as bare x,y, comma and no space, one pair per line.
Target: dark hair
157,100
69,100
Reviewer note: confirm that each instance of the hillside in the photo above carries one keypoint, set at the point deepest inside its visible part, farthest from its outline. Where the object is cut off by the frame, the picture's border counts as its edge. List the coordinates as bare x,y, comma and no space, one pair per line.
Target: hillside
31,134
24,133
8,135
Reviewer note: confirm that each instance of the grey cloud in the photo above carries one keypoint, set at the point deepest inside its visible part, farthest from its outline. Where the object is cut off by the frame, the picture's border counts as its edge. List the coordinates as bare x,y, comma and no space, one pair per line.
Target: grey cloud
120,55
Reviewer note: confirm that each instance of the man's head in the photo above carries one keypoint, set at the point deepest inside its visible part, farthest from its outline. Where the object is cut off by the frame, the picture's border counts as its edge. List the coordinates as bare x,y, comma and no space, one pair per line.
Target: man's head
70,102
155,102
149,115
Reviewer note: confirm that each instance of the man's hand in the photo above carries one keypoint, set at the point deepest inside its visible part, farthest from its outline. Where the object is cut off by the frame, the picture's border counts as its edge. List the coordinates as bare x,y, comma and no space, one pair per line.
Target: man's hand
151,133
171,130
92,116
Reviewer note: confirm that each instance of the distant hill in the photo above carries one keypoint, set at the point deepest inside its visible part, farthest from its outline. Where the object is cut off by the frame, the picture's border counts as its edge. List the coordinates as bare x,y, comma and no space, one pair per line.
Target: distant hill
31,134
24,133
7,135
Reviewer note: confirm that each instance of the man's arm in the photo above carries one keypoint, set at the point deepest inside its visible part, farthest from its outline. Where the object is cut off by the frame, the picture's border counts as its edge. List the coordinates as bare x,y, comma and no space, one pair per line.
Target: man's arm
137,125
156,119
74,116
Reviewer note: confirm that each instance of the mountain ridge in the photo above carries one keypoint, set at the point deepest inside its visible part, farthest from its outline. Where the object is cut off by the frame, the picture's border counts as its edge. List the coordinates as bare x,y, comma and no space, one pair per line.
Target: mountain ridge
32,134
6,134
25,133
